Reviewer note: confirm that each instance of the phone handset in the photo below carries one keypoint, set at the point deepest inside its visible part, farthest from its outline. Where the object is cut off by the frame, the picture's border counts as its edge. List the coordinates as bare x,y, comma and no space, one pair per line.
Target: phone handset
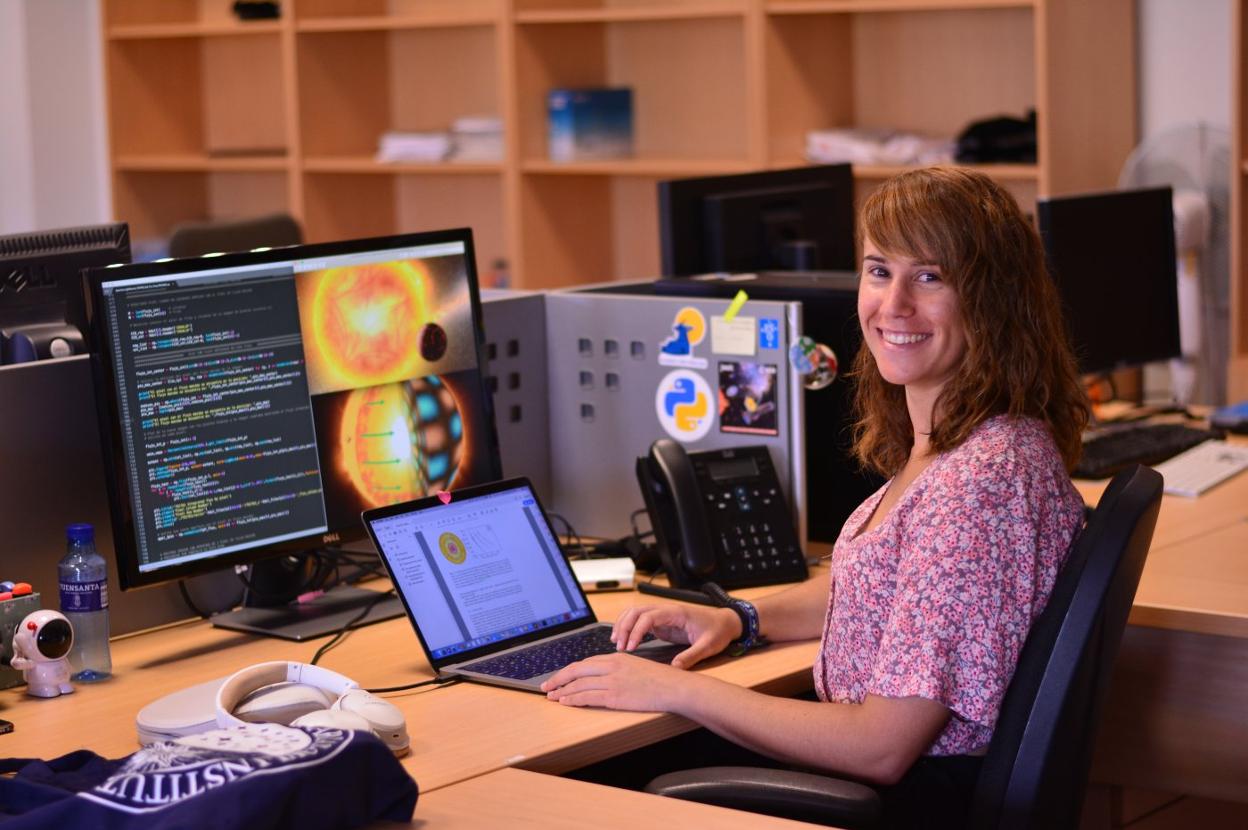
674,501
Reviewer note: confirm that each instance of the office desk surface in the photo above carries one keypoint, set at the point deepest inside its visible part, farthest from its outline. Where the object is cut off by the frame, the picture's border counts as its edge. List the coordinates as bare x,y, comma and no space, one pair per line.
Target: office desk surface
458,732
517,799
1196,575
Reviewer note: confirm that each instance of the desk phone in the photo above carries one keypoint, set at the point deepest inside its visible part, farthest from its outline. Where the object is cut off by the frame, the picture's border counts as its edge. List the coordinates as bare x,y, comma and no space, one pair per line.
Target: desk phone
719,515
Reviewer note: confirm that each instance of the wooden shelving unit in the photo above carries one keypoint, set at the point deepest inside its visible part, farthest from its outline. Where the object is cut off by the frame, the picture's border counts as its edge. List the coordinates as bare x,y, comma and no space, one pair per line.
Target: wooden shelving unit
211,117
1237,367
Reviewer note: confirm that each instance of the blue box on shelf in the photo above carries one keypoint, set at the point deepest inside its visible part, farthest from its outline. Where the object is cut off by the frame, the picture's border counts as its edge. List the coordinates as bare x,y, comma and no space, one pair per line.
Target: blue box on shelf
590,123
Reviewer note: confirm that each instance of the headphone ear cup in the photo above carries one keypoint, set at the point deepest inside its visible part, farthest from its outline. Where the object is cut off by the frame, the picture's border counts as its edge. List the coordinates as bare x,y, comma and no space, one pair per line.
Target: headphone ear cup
384,717
334,719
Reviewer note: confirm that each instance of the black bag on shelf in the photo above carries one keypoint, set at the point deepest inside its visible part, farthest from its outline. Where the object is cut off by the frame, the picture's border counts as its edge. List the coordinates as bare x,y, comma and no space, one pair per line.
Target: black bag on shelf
1000,139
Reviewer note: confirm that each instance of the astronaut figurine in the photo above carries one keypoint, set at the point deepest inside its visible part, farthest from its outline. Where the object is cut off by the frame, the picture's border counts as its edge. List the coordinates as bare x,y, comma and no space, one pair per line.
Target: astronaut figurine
41,646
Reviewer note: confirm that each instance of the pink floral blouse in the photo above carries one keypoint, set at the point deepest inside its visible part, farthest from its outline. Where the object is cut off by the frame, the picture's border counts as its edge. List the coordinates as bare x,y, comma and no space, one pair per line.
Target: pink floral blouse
936,601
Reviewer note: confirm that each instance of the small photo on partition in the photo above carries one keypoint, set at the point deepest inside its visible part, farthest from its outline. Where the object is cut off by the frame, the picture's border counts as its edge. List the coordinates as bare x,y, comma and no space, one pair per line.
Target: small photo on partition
747,398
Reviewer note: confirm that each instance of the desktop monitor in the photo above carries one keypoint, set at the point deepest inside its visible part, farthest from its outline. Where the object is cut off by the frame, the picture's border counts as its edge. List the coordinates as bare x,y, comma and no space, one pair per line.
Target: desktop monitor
42,313
254,404
779,220
1113,258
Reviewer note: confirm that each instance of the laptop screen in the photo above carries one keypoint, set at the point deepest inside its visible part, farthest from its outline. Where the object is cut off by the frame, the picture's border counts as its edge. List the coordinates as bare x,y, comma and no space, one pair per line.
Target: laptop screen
479,570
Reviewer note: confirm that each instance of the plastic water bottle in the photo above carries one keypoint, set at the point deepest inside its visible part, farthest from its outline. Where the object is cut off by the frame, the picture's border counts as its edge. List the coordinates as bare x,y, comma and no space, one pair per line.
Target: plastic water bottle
83,577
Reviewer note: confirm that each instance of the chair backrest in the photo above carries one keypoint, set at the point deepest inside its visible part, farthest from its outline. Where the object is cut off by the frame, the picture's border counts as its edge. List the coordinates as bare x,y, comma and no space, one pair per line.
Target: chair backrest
1041,751
198,238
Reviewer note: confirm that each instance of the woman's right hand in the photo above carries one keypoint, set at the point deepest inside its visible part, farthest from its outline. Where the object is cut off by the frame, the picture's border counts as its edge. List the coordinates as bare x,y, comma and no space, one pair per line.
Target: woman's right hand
708,631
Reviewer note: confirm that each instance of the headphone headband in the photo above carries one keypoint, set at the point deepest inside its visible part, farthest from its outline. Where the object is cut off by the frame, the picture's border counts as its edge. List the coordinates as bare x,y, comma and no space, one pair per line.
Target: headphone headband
245,681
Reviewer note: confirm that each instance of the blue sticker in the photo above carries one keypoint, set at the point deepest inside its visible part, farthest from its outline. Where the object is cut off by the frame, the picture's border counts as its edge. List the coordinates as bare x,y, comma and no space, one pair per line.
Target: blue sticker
769,333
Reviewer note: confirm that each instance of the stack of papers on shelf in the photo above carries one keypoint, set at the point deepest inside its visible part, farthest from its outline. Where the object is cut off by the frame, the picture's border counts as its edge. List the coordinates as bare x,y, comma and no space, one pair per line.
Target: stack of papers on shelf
397,146
477,138
864,145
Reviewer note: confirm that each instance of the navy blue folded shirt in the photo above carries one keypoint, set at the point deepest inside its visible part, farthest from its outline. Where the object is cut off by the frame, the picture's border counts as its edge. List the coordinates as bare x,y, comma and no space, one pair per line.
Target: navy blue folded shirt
255,776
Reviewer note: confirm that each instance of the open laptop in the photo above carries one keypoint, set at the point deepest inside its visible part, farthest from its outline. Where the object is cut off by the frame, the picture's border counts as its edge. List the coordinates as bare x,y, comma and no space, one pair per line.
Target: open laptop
487,587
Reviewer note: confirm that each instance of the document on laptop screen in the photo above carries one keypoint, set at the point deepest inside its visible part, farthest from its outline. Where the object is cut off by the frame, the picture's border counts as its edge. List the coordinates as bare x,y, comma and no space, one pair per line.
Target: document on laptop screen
479,571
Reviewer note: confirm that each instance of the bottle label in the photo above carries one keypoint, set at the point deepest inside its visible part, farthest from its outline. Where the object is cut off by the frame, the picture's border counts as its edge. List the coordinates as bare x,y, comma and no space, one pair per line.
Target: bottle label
84,597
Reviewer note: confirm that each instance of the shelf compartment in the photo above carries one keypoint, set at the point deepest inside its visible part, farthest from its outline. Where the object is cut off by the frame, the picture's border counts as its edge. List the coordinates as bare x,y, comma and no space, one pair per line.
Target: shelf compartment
362,15
581,229
542,12
126,15
154,202
894,70
354,86
1000,172
353,205
367,164
658,168
688,79
174,98
191,163
155,31
802,7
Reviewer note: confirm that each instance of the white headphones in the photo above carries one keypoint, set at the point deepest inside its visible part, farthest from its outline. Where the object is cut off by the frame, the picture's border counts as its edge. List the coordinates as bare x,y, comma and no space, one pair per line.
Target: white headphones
299,694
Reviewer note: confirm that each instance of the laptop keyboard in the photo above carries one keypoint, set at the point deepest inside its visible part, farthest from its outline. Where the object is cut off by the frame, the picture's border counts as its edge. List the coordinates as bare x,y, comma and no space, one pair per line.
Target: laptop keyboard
541,658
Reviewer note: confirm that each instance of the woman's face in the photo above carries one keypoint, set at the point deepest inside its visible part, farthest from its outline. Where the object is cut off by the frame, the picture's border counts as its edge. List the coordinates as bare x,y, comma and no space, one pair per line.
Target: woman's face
911,321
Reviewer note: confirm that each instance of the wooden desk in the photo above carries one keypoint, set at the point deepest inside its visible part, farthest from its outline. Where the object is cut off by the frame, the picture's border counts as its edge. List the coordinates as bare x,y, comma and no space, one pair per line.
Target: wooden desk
517,799
458,732
1177,715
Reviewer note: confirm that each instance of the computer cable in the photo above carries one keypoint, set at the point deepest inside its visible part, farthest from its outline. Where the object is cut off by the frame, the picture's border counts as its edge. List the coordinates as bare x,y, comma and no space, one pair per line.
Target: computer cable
437,681
574,538
349,625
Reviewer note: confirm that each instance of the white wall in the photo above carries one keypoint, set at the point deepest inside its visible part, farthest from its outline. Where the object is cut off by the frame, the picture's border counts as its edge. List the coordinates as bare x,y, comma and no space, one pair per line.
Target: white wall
53,155
17,180
1184,63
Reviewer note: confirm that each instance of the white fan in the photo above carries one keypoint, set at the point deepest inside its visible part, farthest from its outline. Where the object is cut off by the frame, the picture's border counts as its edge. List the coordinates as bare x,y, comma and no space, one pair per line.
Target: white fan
1194,159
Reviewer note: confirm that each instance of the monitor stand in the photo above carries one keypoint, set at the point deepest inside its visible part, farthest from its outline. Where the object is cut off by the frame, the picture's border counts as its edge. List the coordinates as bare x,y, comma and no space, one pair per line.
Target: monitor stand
324,615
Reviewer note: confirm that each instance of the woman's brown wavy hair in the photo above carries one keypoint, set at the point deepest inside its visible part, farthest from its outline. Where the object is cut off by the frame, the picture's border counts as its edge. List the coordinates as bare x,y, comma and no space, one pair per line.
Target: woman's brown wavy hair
1018,358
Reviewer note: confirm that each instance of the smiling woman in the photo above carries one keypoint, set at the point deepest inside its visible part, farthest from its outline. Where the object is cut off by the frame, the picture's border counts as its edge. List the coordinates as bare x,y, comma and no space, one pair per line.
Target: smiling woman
968,399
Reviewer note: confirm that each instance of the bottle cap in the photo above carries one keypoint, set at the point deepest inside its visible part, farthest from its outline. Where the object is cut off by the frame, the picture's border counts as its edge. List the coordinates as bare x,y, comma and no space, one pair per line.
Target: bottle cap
21,589
6,586
80,533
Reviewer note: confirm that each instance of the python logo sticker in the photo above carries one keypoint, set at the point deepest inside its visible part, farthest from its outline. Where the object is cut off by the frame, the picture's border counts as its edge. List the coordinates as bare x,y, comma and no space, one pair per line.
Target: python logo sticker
683,404
452,548
688,330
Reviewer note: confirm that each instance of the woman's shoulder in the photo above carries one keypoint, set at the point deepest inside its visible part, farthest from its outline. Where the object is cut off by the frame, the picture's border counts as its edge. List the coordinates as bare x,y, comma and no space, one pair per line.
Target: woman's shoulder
1005,440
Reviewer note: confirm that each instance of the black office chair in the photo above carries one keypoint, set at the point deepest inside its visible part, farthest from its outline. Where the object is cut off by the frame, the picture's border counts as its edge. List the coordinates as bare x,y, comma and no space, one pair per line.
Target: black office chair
1041,750
273,230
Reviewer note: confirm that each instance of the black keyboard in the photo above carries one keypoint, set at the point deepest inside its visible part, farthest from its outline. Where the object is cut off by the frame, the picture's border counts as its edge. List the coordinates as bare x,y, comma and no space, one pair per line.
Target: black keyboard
1104,455
541,658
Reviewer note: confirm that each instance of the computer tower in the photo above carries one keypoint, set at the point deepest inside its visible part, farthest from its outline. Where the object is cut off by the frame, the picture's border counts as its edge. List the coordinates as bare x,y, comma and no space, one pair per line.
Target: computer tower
835,483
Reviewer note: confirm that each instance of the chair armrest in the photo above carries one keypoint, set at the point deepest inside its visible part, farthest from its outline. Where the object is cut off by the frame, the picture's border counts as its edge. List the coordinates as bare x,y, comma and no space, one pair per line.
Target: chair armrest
782,793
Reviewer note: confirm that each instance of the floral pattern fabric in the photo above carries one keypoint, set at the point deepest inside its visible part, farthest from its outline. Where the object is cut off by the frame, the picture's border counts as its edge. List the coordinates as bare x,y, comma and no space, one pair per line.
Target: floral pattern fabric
937,599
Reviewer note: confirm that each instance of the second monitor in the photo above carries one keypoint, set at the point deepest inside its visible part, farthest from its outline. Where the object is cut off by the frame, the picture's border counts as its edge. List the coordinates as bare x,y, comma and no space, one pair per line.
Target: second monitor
778,220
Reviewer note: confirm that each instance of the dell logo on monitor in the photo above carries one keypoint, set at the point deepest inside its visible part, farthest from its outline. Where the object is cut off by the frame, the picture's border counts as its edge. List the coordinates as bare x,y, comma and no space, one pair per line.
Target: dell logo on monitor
330,538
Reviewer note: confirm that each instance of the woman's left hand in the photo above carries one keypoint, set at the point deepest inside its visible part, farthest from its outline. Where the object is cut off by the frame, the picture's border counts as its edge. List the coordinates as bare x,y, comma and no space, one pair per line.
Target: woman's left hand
621,681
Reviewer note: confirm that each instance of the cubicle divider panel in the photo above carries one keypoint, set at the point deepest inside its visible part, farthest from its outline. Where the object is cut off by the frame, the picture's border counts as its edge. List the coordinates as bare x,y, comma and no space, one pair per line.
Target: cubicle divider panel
516,369
625,370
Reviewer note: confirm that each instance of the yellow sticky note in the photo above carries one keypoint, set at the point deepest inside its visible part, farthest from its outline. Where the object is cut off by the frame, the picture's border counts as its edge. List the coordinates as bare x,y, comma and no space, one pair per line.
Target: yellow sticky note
737,302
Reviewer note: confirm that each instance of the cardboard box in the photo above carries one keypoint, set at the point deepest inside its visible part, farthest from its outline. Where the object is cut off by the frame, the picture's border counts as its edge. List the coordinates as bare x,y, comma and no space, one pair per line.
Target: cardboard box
588,124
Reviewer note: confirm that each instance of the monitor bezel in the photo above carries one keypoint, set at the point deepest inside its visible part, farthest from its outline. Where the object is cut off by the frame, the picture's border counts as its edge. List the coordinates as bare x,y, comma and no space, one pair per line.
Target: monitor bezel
108,406
463,494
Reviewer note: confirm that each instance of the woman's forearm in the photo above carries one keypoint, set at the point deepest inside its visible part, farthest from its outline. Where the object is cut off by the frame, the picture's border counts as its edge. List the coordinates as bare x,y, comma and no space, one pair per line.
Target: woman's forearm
795,613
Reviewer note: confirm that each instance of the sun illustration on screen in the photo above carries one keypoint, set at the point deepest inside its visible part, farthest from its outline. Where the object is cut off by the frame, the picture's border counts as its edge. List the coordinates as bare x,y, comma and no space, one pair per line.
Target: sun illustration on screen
400,441
368,320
